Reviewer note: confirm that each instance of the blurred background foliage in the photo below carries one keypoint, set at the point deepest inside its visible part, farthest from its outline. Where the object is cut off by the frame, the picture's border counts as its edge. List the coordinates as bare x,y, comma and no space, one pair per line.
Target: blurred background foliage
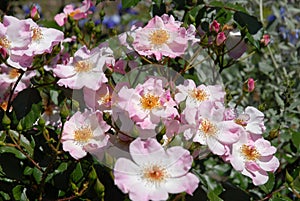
35,168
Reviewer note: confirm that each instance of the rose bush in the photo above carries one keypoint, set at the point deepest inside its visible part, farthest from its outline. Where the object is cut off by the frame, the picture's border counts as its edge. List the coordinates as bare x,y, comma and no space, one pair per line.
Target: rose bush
149,100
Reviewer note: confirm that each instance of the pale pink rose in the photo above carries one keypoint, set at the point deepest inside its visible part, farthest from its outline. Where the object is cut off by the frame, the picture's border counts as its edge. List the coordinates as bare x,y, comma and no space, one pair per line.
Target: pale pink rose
235,44
99,99
76,14
252,120
229,114
15,35
162,36
147,104
85,69
221,37
83,132
215,26
207,127
9,76
194,95
42,39
253,158
154,172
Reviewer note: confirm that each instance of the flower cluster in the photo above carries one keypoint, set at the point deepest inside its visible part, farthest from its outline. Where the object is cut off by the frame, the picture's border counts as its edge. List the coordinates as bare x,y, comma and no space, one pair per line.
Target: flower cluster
149,108
158,106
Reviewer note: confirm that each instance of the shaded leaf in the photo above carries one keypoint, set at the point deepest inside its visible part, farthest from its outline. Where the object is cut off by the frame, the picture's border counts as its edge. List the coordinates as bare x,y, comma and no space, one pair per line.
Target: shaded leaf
24,100
24,142
37,174
296,140
248,21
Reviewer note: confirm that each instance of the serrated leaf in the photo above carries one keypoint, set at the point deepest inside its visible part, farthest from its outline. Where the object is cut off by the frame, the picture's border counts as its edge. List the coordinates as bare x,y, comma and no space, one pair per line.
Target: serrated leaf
248,21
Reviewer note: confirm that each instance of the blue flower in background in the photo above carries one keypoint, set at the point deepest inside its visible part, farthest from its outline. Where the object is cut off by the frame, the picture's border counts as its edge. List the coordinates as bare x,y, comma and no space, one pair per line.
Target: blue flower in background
111,21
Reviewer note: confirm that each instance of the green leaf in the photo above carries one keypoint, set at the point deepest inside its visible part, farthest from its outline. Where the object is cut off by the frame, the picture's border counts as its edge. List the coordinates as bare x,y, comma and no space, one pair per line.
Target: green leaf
28,171
296,140
37,174
24,142
17,192
213,196
24,100
129,3
35,112
4,195
13,150
268,187
77,174
248,21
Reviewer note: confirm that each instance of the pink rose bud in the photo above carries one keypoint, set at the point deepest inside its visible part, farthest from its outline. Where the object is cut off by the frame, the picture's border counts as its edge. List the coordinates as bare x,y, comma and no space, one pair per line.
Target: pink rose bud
221,37
34,14
265,40
250,84
215,26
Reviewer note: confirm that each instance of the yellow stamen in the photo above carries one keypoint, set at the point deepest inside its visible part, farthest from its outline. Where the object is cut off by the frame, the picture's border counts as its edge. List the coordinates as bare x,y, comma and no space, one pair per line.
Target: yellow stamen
155,174
13,73
199,95
83,134
150,101
37,34
82,66
208,128
159,37
4,42
250,152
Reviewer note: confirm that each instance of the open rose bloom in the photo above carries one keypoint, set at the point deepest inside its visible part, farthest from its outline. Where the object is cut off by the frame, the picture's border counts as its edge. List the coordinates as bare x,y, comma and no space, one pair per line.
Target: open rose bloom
84,132
153,172
163,36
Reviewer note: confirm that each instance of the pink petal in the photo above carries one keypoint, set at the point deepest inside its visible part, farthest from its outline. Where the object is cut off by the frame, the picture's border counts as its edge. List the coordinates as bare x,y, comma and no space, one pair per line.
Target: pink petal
187,183
146,151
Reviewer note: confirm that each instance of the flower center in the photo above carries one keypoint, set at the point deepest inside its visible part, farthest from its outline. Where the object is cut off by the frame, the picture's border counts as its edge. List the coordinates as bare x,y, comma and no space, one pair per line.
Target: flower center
105,99
199,95
4,105
240,122
14,73
155,174
4,42
208,128
37,34
250,152
75,12
150,101
83,134
82,66
159,37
